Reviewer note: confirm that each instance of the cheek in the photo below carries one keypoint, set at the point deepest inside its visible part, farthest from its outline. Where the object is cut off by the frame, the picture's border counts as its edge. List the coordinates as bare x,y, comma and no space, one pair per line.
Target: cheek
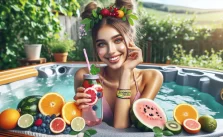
122,47
101,51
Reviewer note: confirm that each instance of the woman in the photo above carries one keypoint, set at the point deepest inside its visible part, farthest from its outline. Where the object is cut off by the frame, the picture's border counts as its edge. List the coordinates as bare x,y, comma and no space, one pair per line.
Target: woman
113,43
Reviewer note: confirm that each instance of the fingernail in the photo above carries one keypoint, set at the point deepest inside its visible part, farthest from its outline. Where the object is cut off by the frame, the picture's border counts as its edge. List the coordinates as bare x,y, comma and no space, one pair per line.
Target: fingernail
89,95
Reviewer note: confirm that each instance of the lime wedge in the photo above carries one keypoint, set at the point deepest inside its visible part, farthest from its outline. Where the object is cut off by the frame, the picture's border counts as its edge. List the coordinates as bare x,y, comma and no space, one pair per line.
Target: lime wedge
78,124
25,121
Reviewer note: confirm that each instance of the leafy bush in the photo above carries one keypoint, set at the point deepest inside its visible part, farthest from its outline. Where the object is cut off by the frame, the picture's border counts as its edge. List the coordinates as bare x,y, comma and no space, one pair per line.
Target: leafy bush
61,45
207,60
28,21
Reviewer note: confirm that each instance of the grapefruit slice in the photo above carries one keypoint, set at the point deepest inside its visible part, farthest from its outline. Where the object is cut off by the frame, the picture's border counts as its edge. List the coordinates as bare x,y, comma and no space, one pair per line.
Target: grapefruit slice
93,92
25,121
99,89
70,111
78,124
185,111
57,125
191,126
51,103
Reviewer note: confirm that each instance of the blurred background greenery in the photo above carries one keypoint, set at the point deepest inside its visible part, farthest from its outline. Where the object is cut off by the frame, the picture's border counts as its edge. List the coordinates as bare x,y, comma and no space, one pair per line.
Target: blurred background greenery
181,35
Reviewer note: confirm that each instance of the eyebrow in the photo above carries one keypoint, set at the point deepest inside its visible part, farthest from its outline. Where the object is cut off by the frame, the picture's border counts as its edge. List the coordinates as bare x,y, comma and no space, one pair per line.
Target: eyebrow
98,40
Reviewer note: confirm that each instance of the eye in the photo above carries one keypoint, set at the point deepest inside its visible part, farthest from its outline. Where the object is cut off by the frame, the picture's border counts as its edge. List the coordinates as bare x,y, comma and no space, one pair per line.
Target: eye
101,44
118,40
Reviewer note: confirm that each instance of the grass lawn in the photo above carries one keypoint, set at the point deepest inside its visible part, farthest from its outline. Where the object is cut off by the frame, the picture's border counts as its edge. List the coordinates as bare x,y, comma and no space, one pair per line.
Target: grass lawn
212,19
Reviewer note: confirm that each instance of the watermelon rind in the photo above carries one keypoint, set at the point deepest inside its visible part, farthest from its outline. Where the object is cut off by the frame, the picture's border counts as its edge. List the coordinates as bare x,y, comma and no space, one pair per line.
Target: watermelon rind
139,123
29,105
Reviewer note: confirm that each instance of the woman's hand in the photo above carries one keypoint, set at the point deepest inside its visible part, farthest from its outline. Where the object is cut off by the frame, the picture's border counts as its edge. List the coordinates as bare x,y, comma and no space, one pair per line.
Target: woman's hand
82,98
134,56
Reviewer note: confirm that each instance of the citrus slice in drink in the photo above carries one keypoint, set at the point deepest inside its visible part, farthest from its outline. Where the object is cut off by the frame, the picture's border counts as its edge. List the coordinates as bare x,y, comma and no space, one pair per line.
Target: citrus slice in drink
93,92
57,125
25,121
51,103
70,111
184,111
78,124
99,90
191,126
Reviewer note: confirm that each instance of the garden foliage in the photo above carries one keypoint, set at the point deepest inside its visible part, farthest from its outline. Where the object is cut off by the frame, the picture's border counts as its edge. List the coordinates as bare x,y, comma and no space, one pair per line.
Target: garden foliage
29,21
162,35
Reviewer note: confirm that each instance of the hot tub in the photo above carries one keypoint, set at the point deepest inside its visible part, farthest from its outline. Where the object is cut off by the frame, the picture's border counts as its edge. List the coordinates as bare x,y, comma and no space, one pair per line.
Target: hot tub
201,88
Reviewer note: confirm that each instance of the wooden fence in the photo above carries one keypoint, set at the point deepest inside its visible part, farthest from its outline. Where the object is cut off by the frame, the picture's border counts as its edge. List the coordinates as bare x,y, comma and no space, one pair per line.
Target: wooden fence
70,25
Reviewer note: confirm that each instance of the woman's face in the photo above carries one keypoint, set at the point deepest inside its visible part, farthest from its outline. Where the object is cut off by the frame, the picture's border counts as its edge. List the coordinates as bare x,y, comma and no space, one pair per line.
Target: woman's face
110,46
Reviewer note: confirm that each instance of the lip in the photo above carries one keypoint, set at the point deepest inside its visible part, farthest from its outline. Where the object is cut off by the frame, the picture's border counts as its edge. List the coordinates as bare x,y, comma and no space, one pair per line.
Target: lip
115,59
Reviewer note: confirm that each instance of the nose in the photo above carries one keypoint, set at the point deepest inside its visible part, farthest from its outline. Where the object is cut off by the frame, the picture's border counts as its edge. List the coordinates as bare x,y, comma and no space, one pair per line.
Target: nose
111,49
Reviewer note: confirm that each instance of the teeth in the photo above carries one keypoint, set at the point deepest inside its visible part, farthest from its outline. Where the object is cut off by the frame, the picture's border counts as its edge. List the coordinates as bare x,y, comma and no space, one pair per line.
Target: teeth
112,59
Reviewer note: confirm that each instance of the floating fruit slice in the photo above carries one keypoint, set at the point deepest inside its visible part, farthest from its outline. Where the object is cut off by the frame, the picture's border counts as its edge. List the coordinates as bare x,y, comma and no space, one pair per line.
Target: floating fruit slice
78,124
25,121
208,123
51,103
99,90
191,126
9,119
91,91
184,111
173,126
57,125
70,111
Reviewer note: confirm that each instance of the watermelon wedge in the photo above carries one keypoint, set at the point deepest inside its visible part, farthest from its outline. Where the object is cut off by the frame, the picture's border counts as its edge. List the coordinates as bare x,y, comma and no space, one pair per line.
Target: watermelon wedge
146,114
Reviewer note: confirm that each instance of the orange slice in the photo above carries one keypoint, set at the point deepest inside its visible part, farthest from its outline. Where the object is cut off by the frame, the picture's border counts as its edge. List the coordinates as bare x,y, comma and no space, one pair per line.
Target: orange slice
51,103
185,111
70,111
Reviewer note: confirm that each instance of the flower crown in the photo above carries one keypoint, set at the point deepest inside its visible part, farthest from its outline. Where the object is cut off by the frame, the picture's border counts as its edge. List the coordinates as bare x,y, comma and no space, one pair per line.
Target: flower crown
98,14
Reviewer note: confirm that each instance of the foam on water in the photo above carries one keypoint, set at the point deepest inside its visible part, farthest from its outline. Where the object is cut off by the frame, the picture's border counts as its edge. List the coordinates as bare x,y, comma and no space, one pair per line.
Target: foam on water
169,96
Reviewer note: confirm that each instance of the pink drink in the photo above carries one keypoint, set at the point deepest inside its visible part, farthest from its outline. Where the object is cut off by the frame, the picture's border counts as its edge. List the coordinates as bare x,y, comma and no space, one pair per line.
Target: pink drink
93,115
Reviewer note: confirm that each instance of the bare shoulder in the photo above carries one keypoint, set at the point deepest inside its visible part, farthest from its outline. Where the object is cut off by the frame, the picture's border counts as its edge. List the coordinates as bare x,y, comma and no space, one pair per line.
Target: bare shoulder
151,81
150,73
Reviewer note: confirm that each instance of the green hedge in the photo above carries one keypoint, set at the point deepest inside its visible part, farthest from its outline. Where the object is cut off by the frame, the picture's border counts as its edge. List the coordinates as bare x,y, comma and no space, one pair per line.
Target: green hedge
163,34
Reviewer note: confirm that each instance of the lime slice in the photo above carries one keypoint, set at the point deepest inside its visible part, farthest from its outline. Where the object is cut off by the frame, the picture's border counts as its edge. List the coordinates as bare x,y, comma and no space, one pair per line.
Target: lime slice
78,124
25,121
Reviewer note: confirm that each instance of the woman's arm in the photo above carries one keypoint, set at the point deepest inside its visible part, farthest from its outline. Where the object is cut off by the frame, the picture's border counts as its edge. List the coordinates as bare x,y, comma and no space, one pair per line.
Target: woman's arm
153,80
122,106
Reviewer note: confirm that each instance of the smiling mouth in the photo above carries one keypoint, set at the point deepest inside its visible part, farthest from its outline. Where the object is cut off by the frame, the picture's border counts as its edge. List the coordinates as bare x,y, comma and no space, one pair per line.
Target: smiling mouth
114,59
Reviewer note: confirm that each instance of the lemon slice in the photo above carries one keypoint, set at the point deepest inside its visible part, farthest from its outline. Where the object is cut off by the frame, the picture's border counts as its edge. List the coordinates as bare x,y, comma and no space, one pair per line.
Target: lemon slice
25,121
78,124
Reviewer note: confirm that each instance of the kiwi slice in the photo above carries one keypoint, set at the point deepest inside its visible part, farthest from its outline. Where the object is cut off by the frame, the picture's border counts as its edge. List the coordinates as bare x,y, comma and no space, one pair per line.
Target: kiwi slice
174,127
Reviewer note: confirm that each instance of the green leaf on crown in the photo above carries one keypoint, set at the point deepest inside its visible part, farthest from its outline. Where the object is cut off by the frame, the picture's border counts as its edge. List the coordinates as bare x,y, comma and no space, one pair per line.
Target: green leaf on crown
124,18
133,16
94,13
130,21
86,21
100,17
129,12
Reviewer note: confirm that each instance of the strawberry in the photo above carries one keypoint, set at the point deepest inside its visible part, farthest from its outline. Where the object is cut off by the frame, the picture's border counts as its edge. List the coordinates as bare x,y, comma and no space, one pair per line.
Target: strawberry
86,84
38,122
105,12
